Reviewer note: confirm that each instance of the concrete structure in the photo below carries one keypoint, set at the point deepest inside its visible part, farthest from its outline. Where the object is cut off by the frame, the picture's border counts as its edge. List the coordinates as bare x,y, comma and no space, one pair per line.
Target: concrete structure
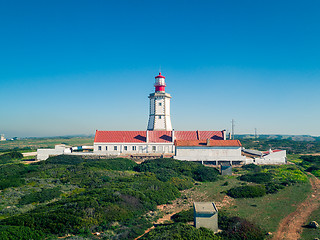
226,169
213,151
270,157
159,117
206,215
44,154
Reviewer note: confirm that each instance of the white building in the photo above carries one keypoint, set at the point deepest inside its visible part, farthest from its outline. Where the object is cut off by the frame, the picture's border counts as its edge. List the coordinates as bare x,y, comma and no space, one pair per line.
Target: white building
43,154
211,151
147,142
270,157
160,139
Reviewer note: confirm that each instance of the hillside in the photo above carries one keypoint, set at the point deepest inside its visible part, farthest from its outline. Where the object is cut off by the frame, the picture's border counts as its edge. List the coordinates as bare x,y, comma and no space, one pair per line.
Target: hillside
119,199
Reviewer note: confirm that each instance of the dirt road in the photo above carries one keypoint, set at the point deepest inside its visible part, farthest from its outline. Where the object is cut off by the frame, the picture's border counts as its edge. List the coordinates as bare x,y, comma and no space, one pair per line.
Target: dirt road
291,226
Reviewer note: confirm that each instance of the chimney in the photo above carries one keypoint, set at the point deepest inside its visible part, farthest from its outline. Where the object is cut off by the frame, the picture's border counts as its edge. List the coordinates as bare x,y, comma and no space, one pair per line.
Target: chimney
147,136
173,137
208,141
224,134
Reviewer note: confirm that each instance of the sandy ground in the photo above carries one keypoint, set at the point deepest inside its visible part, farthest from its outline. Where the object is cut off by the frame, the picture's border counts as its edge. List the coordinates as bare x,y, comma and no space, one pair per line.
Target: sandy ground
28,154
291,226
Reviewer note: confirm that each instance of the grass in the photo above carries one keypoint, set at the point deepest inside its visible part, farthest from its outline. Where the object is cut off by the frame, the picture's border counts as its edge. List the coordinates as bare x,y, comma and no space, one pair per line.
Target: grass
265,211
32,144
310,233
294,158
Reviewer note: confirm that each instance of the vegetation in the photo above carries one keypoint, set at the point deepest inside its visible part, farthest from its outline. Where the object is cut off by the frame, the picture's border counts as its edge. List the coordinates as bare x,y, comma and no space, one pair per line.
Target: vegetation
247,191
35,143
183,216
165,169
292,146
19,232
112,196
311,164
40,197
180,231
236,228
10,157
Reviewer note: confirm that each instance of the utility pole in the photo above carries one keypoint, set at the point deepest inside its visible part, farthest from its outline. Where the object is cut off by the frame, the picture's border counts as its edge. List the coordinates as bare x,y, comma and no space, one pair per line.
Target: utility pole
232,127
255,134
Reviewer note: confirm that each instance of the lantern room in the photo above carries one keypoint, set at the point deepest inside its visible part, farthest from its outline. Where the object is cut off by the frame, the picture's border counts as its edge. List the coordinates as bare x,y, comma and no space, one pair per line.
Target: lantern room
160,84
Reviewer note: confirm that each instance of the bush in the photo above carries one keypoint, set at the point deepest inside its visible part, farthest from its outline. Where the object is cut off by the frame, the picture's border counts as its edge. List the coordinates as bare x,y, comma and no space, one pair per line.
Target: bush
64,159
119,164
183,216
273,187
42,196
261,177
235,228
165,169
252,167
180,231
247,191
10,157
19,232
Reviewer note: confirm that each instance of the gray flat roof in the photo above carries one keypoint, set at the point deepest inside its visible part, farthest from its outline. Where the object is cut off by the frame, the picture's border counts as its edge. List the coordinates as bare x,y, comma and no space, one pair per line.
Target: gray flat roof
205,207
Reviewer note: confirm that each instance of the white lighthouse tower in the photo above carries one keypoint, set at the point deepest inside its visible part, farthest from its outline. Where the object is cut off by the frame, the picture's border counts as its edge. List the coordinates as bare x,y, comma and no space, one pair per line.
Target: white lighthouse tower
159,118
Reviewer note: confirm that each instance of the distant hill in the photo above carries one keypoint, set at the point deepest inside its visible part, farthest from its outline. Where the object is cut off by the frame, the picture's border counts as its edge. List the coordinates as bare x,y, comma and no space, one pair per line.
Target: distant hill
279,137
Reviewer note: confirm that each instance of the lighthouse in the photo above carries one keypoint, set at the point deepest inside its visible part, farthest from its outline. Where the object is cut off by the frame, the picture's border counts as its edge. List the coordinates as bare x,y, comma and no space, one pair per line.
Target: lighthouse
159,117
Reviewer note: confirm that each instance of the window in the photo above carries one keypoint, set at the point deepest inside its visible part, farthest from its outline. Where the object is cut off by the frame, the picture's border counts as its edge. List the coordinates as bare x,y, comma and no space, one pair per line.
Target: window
134,148
160,103
154,148
106,148
140,148
115,148
125,148
159,117
99,148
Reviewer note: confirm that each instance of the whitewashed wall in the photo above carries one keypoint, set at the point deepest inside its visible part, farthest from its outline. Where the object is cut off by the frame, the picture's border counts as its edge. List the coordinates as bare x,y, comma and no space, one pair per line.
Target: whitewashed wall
272,158
140,148
209,154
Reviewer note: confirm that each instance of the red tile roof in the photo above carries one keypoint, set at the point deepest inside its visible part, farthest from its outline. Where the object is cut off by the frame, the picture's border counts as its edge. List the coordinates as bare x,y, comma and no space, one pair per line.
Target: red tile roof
198,135
160,136
155,136
120,136
276,150
213,143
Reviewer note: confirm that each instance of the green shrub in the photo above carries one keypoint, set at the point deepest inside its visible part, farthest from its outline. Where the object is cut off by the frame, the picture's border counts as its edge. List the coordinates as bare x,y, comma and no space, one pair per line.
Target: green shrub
119,164
9,157
42,196
252,167
64,159
182,183
176,168
260,177
19,232
273,187
247,191
235,228
180,231
183,216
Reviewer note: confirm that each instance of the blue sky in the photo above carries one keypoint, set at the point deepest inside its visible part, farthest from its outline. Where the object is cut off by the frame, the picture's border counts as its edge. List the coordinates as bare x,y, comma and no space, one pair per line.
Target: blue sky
71,67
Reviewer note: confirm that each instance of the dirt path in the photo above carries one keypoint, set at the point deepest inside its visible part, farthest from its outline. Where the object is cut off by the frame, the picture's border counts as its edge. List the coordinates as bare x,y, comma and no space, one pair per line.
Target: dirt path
291,226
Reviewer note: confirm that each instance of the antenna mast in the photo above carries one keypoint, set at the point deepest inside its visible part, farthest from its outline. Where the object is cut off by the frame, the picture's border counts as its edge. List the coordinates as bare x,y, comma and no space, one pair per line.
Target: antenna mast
232,127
